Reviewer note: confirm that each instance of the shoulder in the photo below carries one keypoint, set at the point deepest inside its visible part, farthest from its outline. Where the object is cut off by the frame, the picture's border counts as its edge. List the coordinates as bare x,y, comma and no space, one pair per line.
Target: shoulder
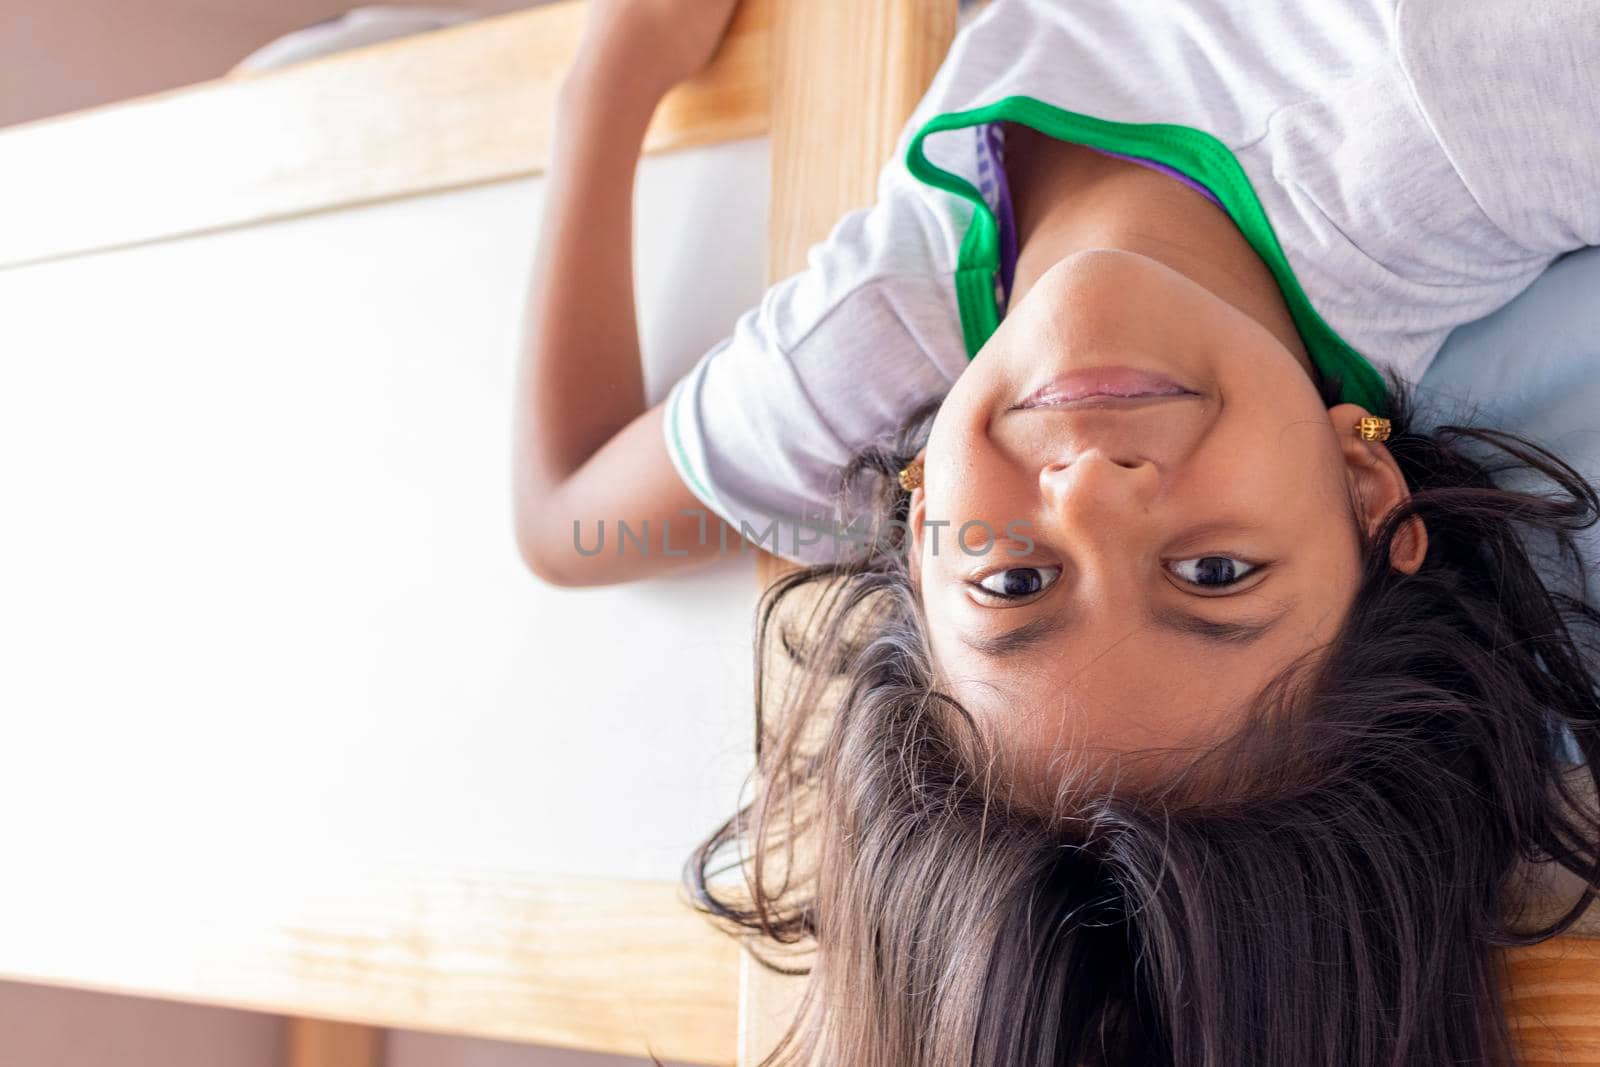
762,426
900,242
840,373
1508,88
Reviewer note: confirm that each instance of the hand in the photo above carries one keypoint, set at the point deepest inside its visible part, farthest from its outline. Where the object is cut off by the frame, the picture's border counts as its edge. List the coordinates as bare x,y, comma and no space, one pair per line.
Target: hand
656,43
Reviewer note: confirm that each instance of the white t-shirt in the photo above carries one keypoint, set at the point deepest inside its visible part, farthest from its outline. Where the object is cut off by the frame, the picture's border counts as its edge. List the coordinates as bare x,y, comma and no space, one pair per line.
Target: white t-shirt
1402,166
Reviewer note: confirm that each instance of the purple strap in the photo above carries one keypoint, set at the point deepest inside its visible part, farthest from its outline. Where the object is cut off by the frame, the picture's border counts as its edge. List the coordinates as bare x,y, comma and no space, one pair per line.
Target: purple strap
997,193
1164,169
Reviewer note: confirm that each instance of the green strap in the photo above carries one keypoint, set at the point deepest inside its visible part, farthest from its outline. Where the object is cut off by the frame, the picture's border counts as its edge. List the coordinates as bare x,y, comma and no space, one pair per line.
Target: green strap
1188,150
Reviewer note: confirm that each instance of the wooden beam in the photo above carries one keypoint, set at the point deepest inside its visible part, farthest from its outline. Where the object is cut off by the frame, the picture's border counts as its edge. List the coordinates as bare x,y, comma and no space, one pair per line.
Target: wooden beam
845,78
604,965
1553,1002
455,107
832,134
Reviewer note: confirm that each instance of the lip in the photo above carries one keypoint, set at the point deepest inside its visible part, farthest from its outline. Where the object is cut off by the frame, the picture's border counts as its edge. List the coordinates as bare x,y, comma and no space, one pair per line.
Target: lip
1104,387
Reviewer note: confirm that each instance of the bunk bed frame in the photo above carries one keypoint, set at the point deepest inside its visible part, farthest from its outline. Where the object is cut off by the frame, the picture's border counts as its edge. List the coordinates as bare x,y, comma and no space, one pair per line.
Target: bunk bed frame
610,966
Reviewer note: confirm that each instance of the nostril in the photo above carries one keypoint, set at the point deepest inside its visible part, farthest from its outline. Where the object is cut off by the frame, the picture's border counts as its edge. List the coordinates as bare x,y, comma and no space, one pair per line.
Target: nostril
1127,465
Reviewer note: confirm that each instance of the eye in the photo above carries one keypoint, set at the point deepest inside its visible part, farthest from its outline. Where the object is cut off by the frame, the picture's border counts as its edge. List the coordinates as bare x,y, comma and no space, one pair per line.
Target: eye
1016,583
1212,572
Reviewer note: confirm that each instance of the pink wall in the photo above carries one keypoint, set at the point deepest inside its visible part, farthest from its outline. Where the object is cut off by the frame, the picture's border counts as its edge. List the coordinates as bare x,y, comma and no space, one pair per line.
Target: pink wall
59,57
43,1027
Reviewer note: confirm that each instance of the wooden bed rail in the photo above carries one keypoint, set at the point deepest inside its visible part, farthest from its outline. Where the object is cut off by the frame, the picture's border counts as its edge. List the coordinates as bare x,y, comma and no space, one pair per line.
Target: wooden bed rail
1553,1003
456,107
600,964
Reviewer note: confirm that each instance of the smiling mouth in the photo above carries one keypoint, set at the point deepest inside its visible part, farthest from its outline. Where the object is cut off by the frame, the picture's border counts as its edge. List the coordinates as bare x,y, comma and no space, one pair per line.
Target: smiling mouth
1105,387
1108,403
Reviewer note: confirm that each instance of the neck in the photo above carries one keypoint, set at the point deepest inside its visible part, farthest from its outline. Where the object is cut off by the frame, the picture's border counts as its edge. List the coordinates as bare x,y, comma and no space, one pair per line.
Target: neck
1068,198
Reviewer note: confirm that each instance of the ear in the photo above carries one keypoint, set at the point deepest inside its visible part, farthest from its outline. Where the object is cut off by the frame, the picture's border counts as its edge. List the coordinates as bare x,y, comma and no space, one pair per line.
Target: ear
1377,488
916,514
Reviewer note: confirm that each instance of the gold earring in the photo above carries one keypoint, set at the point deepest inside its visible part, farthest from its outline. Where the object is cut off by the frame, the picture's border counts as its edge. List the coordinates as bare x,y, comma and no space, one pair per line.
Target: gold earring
1372,428
911,475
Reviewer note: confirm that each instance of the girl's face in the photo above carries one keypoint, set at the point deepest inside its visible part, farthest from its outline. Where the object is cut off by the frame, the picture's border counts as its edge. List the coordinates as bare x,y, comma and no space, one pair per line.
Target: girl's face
1168,554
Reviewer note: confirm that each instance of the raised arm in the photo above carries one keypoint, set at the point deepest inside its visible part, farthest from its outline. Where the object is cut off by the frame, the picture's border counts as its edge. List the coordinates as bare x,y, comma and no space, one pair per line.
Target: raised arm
586,449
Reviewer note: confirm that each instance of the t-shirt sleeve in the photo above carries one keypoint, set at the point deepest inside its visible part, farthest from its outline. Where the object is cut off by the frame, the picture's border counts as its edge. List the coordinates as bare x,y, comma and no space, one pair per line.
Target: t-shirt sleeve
1512,91
833,359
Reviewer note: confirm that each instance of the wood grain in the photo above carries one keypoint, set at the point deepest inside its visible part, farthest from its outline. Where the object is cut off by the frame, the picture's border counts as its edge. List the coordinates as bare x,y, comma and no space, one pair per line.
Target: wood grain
831,135
605,965
1553,1002
456,107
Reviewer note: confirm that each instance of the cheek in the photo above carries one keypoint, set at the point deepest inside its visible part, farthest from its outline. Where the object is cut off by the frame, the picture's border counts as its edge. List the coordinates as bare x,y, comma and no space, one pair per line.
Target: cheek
964,474
1309,504
966,514
1286,460
1325,483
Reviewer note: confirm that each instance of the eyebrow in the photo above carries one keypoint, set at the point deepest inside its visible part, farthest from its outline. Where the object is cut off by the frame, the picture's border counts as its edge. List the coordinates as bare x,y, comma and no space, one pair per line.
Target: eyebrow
1024,637
1229,633
1013,641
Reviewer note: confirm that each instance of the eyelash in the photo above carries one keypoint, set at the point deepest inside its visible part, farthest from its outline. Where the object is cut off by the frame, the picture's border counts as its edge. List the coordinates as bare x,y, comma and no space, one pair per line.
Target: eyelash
1251,567
984,591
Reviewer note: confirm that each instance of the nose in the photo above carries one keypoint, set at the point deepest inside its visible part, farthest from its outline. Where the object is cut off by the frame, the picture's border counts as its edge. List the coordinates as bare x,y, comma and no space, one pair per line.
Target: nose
1099,491
1099,515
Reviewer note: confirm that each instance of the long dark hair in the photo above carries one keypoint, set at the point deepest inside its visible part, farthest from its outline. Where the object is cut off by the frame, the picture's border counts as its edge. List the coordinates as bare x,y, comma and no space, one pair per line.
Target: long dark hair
1329,885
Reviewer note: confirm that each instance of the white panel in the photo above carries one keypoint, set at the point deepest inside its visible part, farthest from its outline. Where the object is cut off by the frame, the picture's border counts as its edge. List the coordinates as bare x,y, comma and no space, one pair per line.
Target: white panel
259,596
